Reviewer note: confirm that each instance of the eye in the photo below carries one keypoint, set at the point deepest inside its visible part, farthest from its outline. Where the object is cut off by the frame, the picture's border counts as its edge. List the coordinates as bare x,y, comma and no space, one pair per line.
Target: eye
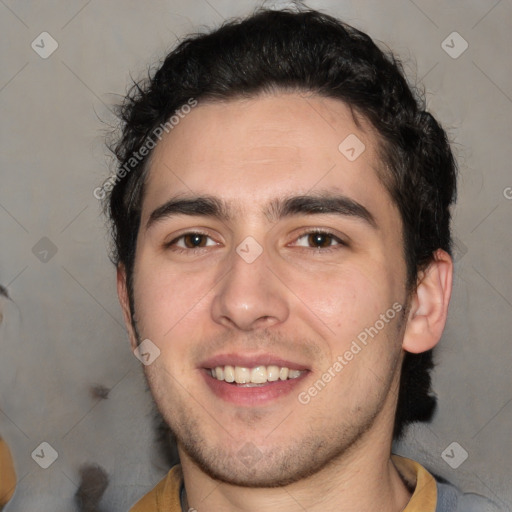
193,240
319,240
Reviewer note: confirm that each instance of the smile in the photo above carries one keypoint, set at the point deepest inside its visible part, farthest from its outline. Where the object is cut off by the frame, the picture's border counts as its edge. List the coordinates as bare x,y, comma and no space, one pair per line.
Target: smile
256,376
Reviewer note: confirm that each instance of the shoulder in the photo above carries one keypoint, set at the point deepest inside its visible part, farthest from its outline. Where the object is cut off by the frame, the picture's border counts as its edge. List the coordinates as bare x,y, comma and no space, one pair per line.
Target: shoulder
451,499
7,473
165,496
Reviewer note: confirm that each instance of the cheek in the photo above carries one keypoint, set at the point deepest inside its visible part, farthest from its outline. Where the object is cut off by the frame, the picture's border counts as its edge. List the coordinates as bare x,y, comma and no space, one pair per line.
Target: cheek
168,301
346,299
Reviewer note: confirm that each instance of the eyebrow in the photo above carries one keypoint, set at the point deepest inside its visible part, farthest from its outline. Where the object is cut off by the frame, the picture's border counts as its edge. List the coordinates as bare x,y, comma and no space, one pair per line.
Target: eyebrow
277,209
325,203
205,206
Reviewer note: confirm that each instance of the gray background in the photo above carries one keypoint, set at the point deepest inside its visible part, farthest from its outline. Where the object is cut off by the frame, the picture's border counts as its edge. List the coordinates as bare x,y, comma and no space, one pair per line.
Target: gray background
64,331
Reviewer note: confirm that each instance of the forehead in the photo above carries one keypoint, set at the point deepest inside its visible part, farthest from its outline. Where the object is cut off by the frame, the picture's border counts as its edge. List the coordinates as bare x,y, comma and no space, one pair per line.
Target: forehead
250,151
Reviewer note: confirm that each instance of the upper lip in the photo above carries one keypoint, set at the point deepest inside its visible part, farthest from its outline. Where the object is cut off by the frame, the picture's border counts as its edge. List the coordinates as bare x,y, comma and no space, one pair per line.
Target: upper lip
250,361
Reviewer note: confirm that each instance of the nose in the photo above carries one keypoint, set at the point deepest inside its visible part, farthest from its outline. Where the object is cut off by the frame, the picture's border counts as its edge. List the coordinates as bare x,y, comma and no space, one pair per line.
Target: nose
250,296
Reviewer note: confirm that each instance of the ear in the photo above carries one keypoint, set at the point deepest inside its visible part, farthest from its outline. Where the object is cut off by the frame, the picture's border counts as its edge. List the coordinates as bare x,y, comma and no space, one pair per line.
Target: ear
428,307
122,293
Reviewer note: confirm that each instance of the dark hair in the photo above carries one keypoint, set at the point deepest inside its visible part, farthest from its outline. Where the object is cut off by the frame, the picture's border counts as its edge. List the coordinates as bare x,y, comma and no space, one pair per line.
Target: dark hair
312,52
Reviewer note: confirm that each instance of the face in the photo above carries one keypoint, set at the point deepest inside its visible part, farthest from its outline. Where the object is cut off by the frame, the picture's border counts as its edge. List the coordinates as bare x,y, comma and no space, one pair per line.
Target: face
270,275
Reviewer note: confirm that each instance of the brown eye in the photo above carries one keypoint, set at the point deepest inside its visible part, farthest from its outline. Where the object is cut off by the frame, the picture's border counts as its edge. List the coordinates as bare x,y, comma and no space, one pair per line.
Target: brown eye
193,240
190,241
320,239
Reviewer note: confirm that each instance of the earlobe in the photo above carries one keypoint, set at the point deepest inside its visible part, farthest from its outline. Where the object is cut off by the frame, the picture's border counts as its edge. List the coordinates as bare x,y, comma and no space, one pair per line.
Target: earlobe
429,305
122,293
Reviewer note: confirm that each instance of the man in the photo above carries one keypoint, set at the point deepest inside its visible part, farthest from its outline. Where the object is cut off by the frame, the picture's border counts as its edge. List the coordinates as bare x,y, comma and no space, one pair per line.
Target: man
282,236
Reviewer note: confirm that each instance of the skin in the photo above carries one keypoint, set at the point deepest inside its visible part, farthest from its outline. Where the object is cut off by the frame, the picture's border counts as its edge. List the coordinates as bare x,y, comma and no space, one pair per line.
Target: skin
303,303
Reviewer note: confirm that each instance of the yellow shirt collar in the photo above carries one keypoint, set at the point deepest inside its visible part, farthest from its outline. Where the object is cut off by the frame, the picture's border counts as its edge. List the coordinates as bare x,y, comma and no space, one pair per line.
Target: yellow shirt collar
424,497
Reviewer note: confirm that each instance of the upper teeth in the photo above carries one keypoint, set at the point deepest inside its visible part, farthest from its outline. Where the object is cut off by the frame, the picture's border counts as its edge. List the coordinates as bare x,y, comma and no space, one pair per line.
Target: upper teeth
257,375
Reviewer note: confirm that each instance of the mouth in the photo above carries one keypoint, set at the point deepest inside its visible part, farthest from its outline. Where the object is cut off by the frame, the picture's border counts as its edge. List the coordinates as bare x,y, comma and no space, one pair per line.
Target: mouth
250,381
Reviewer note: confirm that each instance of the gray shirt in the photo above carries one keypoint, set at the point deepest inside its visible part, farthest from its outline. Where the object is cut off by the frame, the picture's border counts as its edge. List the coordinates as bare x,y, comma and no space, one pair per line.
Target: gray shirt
450,499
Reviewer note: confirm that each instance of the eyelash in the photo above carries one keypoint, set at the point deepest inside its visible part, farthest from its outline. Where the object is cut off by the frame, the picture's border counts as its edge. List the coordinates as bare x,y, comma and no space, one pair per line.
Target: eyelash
170,245
339,242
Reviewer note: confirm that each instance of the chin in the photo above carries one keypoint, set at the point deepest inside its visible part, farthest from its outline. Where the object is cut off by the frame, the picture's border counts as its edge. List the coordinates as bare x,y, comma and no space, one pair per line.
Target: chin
275,467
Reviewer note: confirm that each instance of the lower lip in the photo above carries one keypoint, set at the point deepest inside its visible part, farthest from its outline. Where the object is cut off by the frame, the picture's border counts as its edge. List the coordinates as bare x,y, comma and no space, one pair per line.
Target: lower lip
250,396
